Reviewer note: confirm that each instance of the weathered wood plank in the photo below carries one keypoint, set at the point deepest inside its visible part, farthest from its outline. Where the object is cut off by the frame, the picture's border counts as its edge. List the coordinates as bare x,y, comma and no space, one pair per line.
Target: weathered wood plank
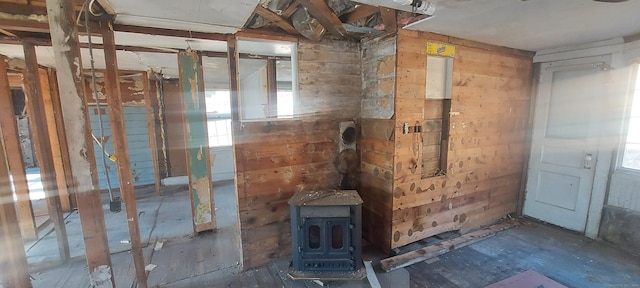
62,136
15,272
151,127
119,132
197,141
16,164
41,135
56,152
66,48
404,260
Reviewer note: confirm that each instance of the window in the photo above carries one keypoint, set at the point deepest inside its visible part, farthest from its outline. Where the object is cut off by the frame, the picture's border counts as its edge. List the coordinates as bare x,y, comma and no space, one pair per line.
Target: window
218,104
631,156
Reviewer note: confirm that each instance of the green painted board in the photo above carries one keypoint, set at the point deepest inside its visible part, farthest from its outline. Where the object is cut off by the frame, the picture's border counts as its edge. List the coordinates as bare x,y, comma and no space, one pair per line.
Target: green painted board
196,140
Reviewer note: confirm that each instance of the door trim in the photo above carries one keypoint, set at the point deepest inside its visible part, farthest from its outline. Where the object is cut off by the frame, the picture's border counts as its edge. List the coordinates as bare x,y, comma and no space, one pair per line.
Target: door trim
602,167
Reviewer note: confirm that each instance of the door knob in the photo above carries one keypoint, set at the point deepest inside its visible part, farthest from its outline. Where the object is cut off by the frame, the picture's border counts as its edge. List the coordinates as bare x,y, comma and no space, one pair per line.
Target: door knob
588,161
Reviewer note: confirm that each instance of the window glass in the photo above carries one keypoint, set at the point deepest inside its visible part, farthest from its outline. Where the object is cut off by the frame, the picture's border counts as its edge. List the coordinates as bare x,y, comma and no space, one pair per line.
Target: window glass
631,157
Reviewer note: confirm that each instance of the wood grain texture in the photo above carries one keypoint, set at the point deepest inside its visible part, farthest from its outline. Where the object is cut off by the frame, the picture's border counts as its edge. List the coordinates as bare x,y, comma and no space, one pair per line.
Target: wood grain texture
41,134
274,160
329,79
197,141
66,49
11,139
485,149
119,132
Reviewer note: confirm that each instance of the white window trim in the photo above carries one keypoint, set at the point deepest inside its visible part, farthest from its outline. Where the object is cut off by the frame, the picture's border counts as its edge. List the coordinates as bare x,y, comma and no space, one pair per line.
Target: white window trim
624,128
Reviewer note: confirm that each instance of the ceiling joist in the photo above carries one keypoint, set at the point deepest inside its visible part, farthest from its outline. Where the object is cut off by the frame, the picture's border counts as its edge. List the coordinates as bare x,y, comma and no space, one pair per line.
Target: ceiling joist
276,19
325,15
361,11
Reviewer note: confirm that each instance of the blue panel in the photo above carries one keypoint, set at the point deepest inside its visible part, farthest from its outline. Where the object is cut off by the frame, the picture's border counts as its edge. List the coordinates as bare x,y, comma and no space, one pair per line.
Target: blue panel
137,140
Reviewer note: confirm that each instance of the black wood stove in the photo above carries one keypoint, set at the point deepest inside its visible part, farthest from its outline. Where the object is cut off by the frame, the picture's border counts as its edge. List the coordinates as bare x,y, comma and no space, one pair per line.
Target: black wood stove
326,231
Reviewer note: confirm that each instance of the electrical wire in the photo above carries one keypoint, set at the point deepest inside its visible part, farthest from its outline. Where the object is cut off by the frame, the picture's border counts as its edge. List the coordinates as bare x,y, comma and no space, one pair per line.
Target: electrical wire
95,96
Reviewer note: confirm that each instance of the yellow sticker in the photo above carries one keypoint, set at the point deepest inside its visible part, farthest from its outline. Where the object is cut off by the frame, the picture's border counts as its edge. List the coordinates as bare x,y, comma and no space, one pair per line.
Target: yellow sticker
440,49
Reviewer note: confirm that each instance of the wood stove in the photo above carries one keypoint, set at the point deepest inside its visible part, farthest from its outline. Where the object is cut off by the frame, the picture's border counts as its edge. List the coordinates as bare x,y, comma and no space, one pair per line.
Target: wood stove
326,231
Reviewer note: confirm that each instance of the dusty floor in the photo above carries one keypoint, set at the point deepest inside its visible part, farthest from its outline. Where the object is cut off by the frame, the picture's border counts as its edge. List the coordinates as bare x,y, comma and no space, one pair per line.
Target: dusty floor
165,219
213,260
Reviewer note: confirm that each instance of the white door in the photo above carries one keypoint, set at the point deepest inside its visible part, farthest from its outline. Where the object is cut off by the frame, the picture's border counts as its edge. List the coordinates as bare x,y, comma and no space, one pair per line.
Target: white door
565,140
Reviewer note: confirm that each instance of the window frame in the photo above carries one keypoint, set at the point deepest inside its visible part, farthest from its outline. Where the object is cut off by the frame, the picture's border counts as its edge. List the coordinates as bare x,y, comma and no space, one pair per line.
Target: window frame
219,116
634,77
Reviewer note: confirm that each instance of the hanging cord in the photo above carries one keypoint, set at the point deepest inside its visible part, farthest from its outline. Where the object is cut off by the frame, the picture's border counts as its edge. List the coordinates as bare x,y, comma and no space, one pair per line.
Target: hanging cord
95,96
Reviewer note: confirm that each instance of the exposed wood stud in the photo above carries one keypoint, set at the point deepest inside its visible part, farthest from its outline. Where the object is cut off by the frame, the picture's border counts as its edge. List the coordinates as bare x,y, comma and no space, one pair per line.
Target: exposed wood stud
54,140
13,259
120,145
41,137
360,12
276,19
151,127
292,8
169,32
62,136
64,38
325,15
234,77
197,142
11,139
272,89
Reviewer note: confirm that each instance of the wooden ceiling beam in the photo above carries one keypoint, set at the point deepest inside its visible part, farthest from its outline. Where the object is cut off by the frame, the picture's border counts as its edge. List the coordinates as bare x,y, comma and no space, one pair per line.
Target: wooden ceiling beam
276,19
325,15
361,11
17,9
389,19
170,32
293,7
212,54
24,25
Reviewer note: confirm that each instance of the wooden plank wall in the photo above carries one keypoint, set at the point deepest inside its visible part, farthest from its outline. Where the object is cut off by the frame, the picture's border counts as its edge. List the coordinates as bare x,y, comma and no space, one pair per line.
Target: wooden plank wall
489,112
329,80
375,143
275,159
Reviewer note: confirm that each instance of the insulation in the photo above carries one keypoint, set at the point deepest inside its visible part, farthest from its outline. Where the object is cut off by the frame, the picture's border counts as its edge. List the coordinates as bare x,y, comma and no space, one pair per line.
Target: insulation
307,26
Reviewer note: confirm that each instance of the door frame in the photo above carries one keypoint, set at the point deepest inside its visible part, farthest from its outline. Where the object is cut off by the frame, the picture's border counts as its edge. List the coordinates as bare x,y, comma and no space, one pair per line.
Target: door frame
603,163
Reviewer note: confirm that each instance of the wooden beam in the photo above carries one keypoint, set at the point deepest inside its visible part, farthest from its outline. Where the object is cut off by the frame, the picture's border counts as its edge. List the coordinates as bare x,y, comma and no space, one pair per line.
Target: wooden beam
11,139
17,9
325,15
54,140
276,19
120,145
234,77
151,128
170,32
44,154
266,35
292,8
64,38
389,19
197,141
24,25
13,259
272,90
409,258
360,12
62,136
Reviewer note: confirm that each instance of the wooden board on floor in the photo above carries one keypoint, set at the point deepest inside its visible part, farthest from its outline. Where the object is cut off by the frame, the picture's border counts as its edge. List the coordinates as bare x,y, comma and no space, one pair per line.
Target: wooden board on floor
419,255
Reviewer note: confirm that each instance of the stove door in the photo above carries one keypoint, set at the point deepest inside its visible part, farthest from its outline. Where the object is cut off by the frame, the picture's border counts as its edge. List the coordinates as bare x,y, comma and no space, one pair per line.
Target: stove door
326,244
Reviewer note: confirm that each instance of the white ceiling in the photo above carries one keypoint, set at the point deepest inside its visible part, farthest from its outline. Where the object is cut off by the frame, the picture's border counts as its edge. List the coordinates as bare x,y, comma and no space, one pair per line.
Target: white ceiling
533,25
220,16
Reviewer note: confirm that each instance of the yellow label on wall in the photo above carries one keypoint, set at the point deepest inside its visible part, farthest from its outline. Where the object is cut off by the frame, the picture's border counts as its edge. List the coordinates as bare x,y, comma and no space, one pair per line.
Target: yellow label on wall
440,49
